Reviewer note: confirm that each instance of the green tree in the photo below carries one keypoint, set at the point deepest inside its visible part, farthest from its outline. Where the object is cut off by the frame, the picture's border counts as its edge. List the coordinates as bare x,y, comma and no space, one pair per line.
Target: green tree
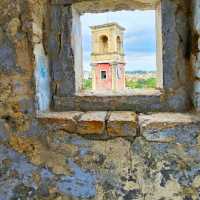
87,84
143,83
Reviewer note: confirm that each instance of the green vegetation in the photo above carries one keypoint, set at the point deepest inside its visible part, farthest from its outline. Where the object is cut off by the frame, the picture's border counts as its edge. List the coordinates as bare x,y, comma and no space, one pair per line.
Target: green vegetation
131,84
87,84
143,83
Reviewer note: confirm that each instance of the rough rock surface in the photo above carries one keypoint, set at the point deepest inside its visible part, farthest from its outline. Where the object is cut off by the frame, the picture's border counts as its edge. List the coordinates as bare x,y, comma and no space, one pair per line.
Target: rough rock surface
92,123
47,161
59,165
122,124
61,120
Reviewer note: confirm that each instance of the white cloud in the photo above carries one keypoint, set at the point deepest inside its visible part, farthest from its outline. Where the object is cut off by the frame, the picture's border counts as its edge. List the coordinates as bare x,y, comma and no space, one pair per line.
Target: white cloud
140,61
132,21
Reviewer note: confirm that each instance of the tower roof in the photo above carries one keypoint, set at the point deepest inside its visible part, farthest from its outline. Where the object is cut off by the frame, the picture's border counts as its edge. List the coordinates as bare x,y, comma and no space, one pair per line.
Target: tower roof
107,25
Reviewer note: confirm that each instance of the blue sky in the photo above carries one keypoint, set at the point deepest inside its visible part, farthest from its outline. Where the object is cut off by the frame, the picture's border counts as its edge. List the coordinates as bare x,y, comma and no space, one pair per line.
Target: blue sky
139,37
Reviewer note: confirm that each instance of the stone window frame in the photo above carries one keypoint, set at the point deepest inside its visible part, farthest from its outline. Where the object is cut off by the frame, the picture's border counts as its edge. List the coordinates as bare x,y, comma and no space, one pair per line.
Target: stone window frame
66,70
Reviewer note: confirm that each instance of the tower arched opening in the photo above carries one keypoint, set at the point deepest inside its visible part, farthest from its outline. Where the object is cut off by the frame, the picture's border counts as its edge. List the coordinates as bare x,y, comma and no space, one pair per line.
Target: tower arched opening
103,44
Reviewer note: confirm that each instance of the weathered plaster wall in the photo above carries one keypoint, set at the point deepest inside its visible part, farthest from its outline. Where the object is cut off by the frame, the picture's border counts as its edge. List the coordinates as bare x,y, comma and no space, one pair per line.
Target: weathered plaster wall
46,161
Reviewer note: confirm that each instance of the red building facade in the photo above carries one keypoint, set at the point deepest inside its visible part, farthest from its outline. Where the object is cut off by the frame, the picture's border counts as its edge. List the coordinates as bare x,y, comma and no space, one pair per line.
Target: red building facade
108,66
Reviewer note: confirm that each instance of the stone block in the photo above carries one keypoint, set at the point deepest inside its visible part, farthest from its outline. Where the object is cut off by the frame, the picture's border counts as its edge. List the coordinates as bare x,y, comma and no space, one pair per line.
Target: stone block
196,101
197,86
61,120
3,135
13,26
92,123
197,70
2,35
26,105
122,124
179,101
199,46
61,105
7,57
164,127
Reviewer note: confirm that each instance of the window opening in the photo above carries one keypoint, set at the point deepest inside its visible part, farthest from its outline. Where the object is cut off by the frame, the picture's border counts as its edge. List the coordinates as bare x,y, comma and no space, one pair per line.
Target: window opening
103,75
103,44
119,45
125,48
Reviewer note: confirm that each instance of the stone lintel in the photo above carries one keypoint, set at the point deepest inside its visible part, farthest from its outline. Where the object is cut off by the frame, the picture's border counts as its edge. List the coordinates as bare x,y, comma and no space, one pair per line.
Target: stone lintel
62,2
122,124
139,4
92,123
84,6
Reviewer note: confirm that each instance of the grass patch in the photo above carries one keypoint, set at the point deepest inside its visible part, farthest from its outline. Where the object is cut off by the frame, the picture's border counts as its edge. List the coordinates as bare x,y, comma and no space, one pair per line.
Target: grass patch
131,84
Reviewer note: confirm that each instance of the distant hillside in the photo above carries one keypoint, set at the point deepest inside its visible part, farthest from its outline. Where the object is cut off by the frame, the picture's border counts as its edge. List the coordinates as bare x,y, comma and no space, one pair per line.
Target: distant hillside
140,75
140,72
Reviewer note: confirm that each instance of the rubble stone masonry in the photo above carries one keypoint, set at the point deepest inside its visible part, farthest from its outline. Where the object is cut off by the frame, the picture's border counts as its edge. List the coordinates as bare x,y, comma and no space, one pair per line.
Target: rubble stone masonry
128,150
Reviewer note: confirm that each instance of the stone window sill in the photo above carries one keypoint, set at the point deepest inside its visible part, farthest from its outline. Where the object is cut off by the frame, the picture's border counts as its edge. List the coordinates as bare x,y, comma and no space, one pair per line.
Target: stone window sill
118,123
135,92
138,100
113,124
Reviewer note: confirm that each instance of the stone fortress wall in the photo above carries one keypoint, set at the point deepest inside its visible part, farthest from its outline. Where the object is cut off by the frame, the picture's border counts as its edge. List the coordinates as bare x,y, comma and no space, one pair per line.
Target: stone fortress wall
107,155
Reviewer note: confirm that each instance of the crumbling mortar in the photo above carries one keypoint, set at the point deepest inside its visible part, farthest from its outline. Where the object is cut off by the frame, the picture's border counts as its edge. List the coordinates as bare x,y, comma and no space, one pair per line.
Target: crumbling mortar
104,137
59,40
131,162
157,141
106,122
138,131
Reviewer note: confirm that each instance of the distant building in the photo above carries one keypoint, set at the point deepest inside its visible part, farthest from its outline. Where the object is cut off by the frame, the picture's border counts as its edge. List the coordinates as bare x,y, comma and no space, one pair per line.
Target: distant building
108,64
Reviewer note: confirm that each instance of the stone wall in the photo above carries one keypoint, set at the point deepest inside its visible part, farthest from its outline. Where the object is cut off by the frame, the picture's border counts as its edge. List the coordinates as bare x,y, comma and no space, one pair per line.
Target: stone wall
89,156
195,53
153,156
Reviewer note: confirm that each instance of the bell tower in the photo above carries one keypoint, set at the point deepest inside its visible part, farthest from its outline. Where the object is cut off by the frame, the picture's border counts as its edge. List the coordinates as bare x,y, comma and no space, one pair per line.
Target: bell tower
107,57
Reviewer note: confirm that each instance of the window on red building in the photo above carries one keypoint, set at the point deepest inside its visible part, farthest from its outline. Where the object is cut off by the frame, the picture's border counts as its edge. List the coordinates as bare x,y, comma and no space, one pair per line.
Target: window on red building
103,75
